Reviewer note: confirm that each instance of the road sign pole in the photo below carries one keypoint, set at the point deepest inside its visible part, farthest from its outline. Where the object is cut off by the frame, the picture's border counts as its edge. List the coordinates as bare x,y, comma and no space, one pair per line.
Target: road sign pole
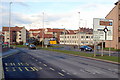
102,49
110,49
94,48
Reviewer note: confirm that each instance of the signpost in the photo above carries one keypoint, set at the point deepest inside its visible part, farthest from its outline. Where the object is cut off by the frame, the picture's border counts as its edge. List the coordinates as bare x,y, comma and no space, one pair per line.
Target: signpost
103,30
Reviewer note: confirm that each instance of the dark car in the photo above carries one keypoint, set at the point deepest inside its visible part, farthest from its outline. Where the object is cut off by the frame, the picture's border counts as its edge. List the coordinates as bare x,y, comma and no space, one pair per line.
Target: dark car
85,48
32,46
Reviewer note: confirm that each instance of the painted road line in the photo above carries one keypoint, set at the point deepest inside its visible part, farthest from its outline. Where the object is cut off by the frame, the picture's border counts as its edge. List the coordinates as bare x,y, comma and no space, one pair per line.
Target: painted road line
14,64
52,69
63,71
27,64
11,64
20,69
22,64
36,60
26,69
6,64
13,69
40,67
35,68
19,64
6,68
32,68
44,64
39,62
60,74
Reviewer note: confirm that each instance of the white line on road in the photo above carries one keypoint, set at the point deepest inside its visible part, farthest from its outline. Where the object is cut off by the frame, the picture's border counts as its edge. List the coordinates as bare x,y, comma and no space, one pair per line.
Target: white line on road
20,69
6,64
44,64
36,60
60,74
52,69
63,71
39,62
40,67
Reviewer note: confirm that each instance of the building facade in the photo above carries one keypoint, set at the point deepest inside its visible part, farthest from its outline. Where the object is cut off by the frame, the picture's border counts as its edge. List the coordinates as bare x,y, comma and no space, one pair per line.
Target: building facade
114,14
16,35
77,39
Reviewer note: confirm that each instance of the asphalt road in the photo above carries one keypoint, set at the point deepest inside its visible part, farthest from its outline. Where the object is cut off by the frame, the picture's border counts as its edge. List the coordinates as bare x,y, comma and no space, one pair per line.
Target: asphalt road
37,64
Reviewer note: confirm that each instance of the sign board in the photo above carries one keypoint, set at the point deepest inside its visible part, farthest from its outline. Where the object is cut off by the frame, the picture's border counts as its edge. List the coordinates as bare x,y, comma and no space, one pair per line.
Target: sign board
46,41
53,42
103,29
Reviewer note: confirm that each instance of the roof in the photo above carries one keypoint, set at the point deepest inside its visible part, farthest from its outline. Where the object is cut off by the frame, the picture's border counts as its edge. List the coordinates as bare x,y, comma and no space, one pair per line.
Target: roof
12,28
35,29
55,30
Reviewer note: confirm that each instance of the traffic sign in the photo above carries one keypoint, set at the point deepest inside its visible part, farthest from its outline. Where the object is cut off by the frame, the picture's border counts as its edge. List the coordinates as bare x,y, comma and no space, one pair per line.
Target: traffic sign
103,29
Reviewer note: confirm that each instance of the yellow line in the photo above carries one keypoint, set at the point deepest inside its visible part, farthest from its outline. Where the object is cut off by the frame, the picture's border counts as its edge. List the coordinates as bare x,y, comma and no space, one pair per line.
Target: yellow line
27,64
20,69
32,68
35,68
26,69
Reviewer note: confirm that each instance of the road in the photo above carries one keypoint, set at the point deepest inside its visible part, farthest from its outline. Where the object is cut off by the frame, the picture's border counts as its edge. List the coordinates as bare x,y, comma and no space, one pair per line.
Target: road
37,64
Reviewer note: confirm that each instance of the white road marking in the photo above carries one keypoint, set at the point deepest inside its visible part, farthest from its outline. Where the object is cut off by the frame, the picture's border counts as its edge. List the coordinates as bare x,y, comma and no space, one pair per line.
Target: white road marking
14,64
27,64
6,68
68,73
52,69
19,64
40,67
39,62
60,74
13,69
44,64
6,64
35,68
36,60
63,71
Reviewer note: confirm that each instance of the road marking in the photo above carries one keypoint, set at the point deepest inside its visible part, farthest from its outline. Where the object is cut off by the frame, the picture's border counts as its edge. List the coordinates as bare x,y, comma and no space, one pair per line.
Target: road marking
11,64
14,64
36,60
68,73
6,68
20,69
40,67
39,62
19,64
44,64
35,68
60,74
63,71
13,69
52,69
27,64
32,58
6,64
26,69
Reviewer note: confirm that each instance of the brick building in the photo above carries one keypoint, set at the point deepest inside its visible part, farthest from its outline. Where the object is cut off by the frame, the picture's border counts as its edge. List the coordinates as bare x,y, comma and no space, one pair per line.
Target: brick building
114,14
17,34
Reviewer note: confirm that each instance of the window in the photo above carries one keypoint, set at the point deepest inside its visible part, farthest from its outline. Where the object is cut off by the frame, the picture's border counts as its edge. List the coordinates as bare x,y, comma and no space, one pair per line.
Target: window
19,34
20,38
82,36
118,39
91,36
19,31
7,38
87,36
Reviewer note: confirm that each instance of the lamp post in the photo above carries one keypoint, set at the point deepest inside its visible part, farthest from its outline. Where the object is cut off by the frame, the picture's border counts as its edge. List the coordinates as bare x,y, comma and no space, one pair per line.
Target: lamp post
79,32
9,20
43,31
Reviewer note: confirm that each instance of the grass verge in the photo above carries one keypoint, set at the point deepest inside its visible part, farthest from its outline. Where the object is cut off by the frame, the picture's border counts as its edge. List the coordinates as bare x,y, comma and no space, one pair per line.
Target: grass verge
110,58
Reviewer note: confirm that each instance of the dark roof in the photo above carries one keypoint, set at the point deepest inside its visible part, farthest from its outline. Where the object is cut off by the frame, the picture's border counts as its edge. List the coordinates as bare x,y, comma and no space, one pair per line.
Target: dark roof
11,28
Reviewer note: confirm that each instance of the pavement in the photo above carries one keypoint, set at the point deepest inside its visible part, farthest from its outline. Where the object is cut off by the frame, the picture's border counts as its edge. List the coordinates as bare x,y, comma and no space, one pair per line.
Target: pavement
47,64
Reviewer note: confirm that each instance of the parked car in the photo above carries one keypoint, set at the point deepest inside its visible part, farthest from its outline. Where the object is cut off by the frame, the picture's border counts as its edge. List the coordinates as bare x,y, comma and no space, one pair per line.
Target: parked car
85,48
32,46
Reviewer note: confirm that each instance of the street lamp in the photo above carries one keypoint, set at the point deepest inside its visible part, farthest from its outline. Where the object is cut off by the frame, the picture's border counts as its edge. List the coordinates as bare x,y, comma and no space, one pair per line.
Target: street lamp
9,20
43,31
79,32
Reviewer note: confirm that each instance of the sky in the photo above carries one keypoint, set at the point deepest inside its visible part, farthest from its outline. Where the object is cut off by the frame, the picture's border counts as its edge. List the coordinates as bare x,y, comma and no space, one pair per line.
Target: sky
35,14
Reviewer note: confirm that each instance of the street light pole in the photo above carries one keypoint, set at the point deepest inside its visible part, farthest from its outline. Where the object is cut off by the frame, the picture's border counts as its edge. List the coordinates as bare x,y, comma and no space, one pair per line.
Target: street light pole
9,20
79,32
43,31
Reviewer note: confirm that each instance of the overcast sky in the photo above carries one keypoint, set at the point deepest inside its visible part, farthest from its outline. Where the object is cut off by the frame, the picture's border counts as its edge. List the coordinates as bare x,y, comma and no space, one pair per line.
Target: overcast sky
57,13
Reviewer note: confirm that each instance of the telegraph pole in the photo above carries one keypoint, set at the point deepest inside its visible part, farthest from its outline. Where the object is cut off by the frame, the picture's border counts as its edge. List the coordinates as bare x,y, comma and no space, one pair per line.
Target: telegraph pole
79,32
43,32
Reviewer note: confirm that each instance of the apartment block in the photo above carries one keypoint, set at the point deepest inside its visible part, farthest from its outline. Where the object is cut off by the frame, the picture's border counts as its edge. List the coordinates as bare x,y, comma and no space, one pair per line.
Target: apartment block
16,34
114,14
